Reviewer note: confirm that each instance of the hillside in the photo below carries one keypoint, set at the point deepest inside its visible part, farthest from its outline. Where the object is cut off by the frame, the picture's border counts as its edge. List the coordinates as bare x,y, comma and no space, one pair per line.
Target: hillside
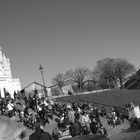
110,98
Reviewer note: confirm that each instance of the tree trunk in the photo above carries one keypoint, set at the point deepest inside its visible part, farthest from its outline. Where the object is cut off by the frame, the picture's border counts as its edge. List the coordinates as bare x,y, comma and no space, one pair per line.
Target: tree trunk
116,84
62,91
121,83
108,84
81,88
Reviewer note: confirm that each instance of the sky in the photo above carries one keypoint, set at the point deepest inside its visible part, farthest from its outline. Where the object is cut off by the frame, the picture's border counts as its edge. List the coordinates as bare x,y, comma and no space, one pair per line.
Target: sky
65,34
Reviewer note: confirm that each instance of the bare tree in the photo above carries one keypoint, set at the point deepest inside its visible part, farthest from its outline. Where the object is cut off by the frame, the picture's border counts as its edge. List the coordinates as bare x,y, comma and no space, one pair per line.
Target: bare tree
114,70
93,78
105,71
55,91
122,68
80,75
59,80
69,76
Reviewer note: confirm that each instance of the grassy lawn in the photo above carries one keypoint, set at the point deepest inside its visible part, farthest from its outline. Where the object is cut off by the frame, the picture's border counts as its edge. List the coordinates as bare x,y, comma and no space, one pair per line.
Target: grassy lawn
111,98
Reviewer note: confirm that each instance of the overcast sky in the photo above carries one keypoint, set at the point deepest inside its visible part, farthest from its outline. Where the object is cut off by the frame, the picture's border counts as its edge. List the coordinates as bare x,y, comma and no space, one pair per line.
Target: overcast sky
64,34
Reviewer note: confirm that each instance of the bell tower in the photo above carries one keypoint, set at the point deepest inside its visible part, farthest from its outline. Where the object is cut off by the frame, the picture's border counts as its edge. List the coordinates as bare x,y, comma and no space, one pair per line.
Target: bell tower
8,83
5,70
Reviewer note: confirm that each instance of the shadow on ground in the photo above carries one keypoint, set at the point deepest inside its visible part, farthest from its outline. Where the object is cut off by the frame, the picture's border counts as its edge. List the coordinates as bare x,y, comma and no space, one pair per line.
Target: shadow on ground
133,128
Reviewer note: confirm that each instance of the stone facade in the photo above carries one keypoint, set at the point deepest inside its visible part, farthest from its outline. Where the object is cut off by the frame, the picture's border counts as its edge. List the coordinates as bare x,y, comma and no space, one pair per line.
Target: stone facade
6,81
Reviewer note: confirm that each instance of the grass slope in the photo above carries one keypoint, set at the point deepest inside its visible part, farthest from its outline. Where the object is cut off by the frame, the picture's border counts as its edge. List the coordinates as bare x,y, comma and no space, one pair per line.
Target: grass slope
112,98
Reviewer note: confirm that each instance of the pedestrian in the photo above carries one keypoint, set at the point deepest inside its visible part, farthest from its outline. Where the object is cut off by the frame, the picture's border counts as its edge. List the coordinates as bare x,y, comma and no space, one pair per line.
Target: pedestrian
97,117
86,121
40,134
73,130
94,126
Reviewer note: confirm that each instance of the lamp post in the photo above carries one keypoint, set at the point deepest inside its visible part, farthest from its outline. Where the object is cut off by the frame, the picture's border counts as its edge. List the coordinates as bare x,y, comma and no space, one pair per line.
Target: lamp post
41,71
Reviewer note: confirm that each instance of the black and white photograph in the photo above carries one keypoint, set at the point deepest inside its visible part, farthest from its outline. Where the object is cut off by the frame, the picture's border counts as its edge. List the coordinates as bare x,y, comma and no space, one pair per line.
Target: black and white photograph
69,70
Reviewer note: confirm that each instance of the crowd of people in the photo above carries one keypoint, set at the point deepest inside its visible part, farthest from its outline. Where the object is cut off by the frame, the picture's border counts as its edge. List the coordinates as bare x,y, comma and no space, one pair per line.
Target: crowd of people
27,110
78,118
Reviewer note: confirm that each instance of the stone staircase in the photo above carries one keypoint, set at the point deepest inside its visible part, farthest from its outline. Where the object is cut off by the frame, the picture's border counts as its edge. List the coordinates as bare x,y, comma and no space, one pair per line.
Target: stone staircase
114,130
110,129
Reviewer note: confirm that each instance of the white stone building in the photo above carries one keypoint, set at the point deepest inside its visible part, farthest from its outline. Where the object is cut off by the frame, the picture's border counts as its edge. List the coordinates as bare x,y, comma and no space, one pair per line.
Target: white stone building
6,80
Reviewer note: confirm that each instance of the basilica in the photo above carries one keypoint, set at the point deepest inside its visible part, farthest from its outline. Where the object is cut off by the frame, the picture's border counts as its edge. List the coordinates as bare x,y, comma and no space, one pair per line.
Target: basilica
7,83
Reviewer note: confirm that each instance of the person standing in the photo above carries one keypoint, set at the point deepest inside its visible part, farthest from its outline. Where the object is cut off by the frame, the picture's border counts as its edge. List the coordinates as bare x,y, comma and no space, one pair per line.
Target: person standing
73,130
97,117
86,121
40,134
94,126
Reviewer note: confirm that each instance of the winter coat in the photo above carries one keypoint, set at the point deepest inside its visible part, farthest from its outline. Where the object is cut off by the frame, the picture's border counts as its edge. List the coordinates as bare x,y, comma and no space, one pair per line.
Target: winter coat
39,134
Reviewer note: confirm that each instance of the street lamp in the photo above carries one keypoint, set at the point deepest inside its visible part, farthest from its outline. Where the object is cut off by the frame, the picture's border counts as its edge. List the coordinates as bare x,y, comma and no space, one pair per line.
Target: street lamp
41,71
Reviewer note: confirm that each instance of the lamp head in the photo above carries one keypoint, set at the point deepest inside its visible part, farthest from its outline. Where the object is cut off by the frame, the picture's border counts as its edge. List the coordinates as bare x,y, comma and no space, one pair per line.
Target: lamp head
41,68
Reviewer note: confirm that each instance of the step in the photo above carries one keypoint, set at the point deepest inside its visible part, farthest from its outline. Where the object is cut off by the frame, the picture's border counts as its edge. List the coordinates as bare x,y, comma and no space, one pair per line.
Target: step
114,130
118,129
